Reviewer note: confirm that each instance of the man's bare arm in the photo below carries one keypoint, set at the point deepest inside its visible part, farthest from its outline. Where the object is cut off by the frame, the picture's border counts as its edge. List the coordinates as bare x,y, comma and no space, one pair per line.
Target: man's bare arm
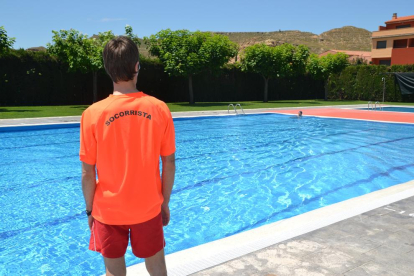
168,174
88,187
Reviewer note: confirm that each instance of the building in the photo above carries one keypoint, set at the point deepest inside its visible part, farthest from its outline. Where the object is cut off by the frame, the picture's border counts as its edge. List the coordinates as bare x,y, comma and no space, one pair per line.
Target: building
353,56
394,43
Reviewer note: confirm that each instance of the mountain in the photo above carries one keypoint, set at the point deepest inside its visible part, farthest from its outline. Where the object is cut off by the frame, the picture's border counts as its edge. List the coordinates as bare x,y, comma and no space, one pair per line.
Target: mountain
345,38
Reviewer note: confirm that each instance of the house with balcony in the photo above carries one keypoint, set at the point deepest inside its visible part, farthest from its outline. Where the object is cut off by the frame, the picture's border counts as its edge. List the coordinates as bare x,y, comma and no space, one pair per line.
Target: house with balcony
394,43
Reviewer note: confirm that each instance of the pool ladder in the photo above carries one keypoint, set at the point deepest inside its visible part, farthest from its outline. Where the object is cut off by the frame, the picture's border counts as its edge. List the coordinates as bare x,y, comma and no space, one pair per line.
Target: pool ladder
373,106
235,108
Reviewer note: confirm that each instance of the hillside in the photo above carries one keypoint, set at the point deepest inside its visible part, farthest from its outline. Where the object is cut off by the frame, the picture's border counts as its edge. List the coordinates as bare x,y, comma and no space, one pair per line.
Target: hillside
345,38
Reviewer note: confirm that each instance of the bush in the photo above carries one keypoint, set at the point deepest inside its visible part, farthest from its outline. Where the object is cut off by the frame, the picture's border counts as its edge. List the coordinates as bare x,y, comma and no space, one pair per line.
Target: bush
364,82
35,78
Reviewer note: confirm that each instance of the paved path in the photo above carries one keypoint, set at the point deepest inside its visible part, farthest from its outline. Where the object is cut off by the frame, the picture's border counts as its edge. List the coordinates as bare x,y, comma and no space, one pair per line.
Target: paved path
76,119
379,242
39,121
370,115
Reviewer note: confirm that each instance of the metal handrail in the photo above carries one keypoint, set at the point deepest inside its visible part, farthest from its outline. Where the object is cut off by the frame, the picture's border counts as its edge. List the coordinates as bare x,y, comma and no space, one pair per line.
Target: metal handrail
228,109
379,105
369,103
240,108
235,108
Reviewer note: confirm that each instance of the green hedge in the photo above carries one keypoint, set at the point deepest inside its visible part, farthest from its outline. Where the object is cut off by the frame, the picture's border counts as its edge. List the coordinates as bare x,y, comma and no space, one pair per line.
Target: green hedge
28,78
364,82
35,78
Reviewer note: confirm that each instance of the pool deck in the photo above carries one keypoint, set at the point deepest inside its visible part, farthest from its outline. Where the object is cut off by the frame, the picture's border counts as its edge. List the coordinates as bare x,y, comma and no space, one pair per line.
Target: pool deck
369,235
376,242
343,111
347,113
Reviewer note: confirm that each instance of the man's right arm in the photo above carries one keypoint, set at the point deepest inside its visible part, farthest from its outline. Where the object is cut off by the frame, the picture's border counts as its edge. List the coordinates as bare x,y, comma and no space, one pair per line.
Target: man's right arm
168,174
88,187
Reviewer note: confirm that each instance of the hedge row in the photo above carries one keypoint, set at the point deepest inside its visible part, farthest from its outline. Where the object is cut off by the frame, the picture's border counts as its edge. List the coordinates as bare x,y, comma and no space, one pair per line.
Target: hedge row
228,85
28,78
364,82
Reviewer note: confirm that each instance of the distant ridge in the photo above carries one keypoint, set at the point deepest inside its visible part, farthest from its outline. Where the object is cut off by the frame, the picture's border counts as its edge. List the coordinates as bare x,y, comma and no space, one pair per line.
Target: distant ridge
345,38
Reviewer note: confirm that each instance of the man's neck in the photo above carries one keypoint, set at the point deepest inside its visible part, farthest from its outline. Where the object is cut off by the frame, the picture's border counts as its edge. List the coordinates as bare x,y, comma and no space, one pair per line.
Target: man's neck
125,87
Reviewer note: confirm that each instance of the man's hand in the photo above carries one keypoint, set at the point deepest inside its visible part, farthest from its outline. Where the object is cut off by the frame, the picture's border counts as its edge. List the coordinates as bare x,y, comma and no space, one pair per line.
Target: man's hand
165,213
90,222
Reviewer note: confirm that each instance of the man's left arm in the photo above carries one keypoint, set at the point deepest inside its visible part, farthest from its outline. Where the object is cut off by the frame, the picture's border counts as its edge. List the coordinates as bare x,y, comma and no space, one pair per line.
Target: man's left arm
168,165
168,174
88,187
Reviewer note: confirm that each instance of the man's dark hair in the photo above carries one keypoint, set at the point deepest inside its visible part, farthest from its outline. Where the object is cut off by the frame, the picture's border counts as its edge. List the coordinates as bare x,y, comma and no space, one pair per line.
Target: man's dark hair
120,56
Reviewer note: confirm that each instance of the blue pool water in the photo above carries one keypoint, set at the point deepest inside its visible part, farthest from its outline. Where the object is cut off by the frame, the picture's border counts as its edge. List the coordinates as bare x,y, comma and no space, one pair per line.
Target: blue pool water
393,109
233,174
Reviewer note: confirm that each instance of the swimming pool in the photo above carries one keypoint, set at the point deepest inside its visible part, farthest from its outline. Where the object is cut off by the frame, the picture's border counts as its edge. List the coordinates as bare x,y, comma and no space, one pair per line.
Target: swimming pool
234,173
393,109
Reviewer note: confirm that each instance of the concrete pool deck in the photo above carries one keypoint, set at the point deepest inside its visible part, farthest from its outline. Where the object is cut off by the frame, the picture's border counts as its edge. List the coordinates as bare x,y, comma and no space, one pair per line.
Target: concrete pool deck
348,113
369,235
377,241
339,111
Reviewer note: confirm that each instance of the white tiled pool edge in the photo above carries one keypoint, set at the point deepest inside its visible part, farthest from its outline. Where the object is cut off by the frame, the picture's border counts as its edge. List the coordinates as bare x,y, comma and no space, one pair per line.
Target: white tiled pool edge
214,253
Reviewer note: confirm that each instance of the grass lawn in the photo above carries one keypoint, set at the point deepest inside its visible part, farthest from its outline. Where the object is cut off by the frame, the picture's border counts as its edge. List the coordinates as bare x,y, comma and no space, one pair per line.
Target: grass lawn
76,110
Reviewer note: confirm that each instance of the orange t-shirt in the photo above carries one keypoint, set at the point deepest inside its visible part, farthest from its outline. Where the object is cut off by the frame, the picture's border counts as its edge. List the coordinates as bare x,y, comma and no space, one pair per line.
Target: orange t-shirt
125,135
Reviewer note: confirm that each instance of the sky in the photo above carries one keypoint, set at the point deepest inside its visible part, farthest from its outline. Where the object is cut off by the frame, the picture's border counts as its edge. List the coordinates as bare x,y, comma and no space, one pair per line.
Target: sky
32,22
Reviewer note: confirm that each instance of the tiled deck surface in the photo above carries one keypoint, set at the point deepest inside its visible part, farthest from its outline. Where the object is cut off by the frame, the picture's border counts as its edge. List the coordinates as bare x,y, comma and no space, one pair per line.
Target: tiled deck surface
401,117
378,242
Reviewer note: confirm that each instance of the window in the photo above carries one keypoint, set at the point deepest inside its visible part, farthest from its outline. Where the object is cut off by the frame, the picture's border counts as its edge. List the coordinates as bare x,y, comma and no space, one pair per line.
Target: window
401,43
381,44
403,26
385,62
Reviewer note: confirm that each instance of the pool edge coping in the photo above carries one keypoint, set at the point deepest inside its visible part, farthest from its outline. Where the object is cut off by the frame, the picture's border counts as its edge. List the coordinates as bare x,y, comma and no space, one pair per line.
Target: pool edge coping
214,253
16,123
176,114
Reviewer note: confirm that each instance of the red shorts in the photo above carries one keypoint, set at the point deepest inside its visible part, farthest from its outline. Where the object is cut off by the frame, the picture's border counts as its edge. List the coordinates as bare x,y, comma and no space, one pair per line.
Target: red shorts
111,241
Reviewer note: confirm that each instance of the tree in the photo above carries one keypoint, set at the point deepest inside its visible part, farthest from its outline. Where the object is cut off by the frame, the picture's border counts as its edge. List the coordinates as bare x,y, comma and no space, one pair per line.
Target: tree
324,67
186,53
129,33
5,42
274,62
82,53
